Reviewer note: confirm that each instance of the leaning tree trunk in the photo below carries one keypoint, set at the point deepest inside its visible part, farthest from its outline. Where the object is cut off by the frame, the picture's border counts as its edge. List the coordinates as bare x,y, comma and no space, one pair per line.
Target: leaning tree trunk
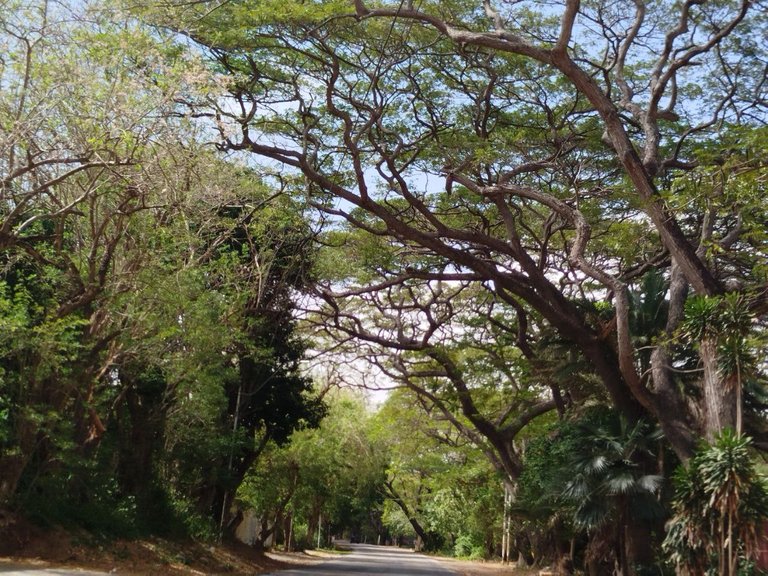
423,540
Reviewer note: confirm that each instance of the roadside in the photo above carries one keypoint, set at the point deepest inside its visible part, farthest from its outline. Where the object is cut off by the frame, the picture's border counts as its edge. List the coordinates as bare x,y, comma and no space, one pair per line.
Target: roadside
490,568
153,556
25,543
24,546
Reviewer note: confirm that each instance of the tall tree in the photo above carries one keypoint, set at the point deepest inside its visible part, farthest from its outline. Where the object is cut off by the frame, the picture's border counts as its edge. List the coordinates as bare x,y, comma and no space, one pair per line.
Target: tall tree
452,345
146,296
84,141
212,326
547,156
328,478
438,485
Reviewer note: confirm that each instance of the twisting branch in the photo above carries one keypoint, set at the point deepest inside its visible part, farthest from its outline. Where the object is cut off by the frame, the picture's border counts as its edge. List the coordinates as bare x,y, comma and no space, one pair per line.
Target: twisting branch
577,258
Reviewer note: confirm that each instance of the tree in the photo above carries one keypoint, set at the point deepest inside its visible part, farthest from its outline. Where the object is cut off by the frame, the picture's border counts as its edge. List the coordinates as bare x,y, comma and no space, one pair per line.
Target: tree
74,178
147,288
329,477
414,469
450,344
610,490
438,485
524,152
214,318
593,492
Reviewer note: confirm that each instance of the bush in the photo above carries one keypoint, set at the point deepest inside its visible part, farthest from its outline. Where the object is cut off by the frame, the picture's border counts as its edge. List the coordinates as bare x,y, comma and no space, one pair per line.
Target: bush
96,506
466,547
720,502
188,520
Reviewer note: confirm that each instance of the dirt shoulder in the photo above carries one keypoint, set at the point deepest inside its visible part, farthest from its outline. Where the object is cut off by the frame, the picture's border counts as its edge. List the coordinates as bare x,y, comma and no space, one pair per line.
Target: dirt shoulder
25,544
490,568
155,556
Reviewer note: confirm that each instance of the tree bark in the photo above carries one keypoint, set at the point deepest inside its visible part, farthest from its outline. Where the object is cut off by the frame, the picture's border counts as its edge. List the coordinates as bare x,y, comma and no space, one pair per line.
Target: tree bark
637,546
719,394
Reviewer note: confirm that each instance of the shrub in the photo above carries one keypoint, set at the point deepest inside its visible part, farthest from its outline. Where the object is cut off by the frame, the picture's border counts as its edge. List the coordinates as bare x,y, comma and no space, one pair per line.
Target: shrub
720,501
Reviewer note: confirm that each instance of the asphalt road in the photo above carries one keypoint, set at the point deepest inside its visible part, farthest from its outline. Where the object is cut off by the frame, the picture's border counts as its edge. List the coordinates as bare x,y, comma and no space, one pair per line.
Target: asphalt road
367,560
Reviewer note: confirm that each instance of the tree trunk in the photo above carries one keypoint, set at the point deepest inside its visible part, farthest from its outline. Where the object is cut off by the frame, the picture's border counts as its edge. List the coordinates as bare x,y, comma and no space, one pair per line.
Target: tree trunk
719,395
289,532
28,441
506,527
140,433
11,468
312,523
421,535
423,540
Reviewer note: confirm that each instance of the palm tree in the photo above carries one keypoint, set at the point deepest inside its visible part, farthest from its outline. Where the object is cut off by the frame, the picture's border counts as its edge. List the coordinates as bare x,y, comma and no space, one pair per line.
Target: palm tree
615,497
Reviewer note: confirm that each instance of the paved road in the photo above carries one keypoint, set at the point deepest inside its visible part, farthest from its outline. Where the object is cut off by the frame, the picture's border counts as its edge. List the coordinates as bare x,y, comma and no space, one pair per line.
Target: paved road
367,560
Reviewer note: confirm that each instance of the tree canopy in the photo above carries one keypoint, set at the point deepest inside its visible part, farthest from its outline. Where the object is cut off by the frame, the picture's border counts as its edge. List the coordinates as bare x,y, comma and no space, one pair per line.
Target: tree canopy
541,225
148,343
550,157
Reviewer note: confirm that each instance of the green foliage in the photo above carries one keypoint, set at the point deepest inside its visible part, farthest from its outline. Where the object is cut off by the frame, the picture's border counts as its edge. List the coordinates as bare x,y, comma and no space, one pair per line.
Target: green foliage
606,472
584,467
728,321
545,472
85,493
467,547
719,507
589,475
723,317
145,283
435,479
189,520
332,472
649,308
149,353
99,507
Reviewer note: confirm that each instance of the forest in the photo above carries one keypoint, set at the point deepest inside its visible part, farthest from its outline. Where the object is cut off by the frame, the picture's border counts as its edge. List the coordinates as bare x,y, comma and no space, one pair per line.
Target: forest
484,277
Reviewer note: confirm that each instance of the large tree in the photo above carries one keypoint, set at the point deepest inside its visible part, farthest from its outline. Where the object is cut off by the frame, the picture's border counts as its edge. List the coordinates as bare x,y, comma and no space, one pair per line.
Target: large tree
147,343
550,155
85,148
212,332
437,486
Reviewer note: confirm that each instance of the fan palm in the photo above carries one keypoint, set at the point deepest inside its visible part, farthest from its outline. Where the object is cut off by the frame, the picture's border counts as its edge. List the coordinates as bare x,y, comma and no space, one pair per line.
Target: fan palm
610,486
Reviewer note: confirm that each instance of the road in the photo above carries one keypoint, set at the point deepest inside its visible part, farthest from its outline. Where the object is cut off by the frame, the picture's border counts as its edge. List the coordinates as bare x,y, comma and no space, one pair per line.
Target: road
367,560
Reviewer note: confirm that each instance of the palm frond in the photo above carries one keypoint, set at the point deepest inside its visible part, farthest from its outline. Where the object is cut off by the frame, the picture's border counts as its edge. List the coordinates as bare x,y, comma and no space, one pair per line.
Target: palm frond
622,483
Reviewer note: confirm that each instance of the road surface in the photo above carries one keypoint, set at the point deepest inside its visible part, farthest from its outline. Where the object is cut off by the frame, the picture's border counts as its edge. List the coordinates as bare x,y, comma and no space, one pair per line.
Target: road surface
368,560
